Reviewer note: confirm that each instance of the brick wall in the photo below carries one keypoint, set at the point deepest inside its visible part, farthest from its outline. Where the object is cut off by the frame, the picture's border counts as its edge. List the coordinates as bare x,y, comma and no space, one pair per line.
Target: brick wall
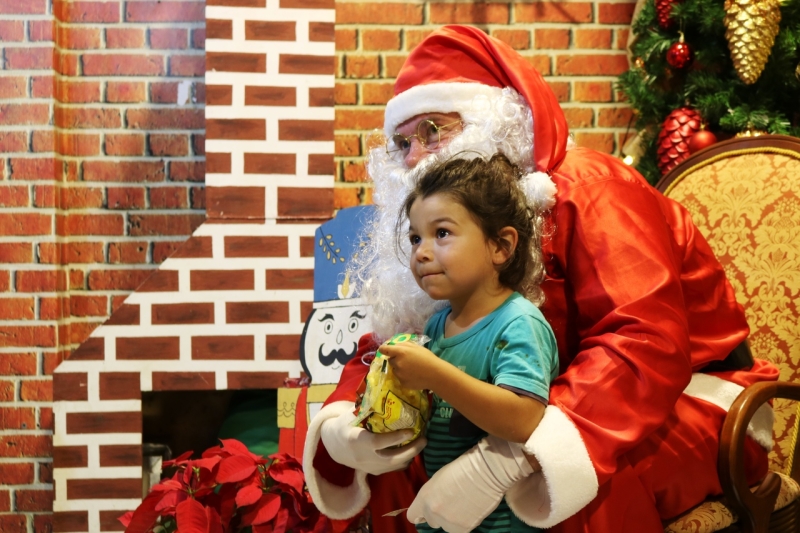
578,46
102,167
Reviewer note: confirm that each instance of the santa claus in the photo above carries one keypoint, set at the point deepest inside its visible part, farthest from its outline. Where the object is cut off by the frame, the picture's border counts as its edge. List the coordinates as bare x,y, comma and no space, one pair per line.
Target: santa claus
643,314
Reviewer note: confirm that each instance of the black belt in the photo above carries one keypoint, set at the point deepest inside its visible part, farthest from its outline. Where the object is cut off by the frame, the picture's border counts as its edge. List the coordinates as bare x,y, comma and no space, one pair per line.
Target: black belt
740,358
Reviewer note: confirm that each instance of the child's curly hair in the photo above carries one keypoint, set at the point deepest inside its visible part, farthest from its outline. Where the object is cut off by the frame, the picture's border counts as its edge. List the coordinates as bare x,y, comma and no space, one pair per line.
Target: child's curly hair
490,191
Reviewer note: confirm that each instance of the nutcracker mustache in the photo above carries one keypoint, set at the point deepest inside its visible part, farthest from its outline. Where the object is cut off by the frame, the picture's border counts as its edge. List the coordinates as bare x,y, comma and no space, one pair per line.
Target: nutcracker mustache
337,355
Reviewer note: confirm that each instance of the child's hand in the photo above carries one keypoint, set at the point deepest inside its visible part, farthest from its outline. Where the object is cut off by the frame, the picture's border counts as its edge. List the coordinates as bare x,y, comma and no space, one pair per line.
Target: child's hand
415,366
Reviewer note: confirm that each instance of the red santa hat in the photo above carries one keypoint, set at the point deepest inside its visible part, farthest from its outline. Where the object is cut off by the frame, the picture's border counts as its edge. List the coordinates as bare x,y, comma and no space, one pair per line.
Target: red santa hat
455,64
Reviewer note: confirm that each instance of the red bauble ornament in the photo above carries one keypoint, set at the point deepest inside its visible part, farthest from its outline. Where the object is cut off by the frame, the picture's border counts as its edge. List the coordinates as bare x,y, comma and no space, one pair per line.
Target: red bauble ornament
679,54
664,13
673,140
701,139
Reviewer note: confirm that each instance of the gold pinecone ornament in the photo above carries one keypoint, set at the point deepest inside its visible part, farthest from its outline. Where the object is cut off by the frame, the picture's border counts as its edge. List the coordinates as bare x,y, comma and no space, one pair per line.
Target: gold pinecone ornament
751,27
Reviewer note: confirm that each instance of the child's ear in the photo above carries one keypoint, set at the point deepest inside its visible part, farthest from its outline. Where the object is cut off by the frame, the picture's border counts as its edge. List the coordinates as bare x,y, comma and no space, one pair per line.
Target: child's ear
504,245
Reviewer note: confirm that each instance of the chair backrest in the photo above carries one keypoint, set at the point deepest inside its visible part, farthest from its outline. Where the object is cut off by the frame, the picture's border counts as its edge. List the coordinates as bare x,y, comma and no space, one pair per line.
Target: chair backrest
744,197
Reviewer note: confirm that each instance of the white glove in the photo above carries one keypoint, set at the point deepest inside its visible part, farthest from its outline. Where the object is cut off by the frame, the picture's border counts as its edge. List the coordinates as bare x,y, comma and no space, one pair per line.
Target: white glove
459,496
361,450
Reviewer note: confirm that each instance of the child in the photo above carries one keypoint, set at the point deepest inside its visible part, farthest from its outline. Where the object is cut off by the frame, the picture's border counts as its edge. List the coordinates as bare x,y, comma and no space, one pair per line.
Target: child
476,243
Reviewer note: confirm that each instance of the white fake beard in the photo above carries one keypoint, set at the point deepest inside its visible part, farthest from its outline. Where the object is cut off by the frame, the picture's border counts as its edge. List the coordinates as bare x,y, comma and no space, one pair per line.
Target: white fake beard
398,303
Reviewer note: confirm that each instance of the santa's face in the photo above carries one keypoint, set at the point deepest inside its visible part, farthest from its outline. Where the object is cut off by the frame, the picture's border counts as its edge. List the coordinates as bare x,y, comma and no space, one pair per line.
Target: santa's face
447,126
330,339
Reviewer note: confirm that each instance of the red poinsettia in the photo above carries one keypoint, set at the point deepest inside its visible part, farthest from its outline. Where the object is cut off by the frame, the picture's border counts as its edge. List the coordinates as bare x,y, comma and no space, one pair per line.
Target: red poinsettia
230,489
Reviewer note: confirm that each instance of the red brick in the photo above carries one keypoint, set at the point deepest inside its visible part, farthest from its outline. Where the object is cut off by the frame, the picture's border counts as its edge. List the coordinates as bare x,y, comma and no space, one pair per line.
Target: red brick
591,65
119,386
164,92
45,470
16,309
256,246
43,141
380,39
346,93
36,390
78,37
25,224
469,13
602,142
16,418
44,195
126,198
29,58
5,506
13,523
53,308
593,91
125,92
215,280
358,119
42,86
219,163
13,141
124,144
32,168
621,40
83,252
163,250
199,38
34,500
360,66
78,332
16,473
11,30
579,117
40,281
198,195
23,7
76,279
95,118
219,29
6,395
187,171
376,93
615,13
125,315
187,65
124,38
182,224
123,65
321,32
235,202
165,11
13,87
347,145
68,11
66,63
127,252
516,39
554,12
379,13
199,144
123,171
78,92
551,39
78,144
41,30
90,225
236,62
593,39
184,313
169,38
12,114
148,348
231,347
262,30
104,422
345,39
355,172
169,198
13,196
614,117
88,305
18,364
119,280
282,347
154,119
81,197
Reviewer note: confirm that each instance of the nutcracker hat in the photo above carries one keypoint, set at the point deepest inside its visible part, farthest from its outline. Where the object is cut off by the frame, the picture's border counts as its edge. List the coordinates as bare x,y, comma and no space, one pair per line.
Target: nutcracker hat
456,64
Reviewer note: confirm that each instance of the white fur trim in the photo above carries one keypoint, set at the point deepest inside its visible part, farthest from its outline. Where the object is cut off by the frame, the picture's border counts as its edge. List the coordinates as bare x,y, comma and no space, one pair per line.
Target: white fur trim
567,482
332,500
540,190
446,97
723,393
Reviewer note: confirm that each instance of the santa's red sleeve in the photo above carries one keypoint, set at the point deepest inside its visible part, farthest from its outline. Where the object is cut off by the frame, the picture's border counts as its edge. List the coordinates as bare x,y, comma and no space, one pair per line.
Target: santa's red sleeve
638,301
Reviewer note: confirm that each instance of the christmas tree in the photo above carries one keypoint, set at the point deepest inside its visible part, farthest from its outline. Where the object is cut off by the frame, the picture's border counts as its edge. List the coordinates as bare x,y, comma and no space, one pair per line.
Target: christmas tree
731,67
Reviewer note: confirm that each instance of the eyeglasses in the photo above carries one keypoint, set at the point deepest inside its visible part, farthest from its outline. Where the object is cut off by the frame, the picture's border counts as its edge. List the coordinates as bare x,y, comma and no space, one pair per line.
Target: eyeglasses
429,134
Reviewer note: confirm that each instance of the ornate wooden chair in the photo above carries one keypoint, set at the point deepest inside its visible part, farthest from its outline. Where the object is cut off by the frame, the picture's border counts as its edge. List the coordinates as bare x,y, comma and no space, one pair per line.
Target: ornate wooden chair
744,196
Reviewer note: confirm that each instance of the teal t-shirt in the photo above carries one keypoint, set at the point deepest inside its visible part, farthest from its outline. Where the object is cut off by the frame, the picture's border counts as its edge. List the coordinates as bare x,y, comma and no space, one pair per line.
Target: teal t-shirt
512,347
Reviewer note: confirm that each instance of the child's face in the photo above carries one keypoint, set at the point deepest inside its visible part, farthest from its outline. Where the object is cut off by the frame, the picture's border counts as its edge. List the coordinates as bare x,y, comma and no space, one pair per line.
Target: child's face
451,258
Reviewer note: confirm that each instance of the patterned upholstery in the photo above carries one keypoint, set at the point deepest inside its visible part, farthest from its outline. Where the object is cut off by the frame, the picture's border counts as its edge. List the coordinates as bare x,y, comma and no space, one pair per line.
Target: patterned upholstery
748,208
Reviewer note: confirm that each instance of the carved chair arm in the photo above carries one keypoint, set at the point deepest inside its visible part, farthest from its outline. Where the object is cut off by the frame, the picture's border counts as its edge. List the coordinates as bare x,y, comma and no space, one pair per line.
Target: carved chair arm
753,507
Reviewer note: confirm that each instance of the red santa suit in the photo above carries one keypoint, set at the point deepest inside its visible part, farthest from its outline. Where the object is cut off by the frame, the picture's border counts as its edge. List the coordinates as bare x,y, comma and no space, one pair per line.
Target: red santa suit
639,306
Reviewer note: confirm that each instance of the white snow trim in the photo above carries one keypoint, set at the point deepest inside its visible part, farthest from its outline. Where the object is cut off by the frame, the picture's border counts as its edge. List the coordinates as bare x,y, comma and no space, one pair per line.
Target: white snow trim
332,500
567,482
446,97
540,190
723,393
